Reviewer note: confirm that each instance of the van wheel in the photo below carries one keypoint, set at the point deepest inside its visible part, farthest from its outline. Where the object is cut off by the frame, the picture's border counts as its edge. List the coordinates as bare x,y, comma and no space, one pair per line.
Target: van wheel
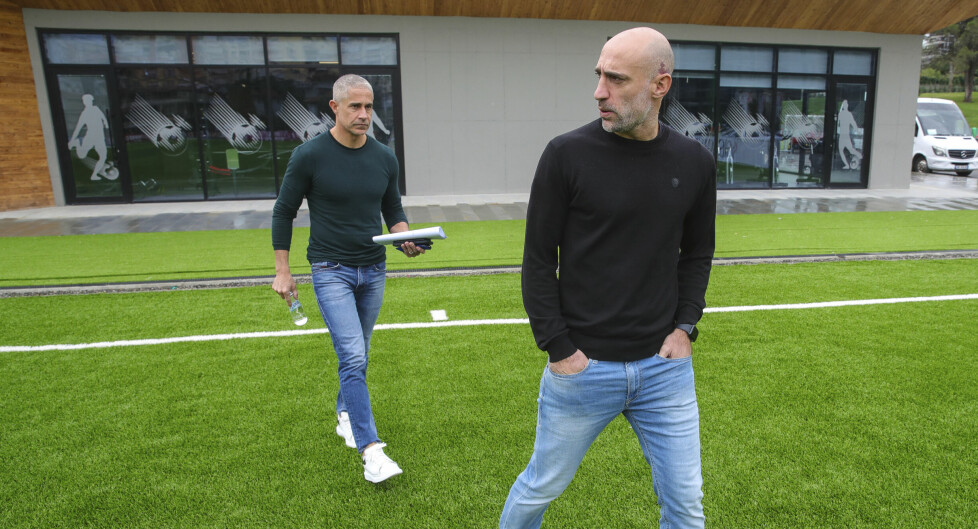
963,173
920,164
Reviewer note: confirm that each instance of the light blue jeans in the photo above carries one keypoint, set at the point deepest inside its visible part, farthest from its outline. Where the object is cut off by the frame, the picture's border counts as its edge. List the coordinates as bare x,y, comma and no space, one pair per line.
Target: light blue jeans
349,299
657,397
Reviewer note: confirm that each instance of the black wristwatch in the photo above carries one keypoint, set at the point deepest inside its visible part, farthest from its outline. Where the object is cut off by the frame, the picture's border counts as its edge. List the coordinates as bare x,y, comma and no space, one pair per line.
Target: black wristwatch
690,329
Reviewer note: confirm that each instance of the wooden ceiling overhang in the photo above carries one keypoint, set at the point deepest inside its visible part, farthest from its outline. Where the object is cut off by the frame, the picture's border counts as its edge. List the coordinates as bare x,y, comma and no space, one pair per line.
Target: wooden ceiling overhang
911,17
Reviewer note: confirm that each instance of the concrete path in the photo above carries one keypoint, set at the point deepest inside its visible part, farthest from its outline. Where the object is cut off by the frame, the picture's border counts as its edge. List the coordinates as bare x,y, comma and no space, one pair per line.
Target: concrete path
926,192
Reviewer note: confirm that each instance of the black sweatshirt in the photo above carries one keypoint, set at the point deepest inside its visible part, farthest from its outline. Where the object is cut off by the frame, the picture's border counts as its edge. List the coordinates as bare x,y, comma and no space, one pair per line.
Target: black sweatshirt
631,226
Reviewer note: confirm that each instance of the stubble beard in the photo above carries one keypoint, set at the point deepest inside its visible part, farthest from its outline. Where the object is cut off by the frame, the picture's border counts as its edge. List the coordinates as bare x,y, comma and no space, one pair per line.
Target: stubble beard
629,117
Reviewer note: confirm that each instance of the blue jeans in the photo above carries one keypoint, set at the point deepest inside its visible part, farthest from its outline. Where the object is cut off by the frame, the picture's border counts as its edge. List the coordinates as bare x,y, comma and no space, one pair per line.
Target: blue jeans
657,397
349,299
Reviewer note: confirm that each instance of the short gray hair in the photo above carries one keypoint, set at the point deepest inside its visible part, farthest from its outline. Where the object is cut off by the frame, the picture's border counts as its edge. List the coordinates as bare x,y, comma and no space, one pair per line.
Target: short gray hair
342,86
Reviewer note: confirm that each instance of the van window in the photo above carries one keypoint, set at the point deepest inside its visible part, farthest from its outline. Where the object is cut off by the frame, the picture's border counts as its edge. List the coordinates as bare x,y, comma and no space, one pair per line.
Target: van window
941,119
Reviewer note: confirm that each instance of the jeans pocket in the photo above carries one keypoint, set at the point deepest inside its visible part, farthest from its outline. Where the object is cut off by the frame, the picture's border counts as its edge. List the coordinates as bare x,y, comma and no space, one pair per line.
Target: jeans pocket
379,267
570,376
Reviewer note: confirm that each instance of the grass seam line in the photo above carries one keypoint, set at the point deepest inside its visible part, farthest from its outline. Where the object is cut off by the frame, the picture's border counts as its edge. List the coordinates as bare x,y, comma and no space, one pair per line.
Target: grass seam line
452,323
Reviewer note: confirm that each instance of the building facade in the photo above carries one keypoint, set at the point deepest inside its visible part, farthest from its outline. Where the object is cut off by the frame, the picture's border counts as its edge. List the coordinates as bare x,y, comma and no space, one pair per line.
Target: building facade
137,107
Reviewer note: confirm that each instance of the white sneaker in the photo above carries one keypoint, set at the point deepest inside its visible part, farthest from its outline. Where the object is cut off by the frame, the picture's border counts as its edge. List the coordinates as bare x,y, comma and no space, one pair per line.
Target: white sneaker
344,430
377,466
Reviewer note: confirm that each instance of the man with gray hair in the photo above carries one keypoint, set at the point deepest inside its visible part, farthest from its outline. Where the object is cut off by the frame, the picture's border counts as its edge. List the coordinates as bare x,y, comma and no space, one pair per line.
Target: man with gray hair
625,208
349,180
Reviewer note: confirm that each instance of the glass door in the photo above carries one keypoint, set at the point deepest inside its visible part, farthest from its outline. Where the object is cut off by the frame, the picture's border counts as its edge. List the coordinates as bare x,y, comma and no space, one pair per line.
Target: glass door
87,144
800,146
850,107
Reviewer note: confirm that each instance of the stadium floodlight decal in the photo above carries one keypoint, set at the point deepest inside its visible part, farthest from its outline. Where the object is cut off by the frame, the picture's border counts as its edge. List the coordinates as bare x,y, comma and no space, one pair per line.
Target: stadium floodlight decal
167,134
242,134
303,123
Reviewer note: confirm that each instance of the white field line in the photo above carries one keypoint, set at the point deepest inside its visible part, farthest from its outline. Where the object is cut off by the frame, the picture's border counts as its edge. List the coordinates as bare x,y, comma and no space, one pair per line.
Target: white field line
453,323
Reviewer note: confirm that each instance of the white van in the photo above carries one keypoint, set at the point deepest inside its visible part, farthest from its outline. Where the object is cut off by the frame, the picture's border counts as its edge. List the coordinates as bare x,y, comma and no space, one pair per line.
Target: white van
942,138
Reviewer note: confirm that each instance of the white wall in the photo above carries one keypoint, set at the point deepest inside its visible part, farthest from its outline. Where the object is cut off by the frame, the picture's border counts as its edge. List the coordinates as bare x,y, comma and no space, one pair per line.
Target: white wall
482,97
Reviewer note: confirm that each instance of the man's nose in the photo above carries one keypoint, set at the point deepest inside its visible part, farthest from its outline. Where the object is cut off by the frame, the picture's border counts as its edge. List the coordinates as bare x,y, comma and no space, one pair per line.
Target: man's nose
601,92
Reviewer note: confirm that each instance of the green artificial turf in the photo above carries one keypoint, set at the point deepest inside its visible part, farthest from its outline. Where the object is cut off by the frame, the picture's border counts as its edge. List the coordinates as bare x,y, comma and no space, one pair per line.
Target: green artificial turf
29,261
840,417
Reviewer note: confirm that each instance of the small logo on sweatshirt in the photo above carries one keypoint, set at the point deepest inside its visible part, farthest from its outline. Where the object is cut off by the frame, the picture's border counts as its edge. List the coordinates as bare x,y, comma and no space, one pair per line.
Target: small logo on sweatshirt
675,182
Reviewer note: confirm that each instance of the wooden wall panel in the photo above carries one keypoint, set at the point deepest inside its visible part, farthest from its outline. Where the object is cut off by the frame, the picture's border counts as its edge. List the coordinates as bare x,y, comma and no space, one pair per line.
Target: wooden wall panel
912,17
24,178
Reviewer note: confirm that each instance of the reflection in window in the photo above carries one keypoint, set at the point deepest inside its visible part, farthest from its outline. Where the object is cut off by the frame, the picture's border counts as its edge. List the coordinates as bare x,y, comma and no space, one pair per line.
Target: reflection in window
62,48
800,140
744,140
300,106
303,49
150,49
213,49
161,145
236,142
369,50
689,108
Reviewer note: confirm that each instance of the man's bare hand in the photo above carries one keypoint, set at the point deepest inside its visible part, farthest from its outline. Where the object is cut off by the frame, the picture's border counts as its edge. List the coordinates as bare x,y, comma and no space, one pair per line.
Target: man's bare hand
285,285
411,250
571,365
676,345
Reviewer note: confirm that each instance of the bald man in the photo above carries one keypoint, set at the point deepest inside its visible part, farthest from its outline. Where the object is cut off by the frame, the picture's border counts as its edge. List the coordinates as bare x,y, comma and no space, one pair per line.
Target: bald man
625,208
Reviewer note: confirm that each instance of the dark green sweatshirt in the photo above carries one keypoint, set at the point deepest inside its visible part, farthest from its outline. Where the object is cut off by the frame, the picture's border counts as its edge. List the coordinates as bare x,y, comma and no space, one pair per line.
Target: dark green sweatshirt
347,191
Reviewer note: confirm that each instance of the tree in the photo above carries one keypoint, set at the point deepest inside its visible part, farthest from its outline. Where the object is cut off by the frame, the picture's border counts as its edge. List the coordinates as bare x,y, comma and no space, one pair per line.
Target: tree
964,52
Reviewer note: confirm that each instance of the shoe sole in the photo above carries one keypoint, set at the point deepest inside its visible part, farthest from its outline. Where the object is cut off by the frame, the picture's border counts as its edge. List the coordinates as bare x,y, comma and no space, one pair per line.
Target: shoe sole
380,477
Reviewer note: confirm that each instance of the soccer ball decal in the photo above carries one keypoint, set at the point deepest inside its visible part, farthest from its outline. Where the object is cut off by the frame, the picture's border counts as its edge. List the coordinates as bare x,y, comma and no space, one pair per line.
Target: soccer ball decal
245,138
170,138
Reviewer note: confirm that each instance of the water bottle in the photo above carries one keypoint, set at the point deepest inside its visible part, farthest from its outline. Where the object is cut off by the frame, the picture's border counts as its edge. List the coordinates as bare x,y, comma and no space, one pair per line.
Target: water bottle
295,310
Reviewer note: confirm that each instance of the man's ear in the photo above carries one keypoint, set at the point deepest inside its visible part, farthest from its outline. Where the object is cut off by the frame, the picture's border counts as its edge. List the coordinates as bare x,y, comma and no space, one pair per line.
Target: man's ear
334,106
661,85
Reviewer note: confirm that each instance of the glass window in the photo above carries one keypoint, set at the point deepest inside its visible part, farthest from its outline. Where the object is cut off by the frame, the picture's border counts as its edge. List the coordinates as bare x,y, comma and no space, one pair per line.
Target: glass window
217,50
689,107
853,63
694,56
322,50
801,82
800,145
850,120
150,49
746,59
300,105
745,80
802,61
91,171
62,48
235,139
744,143
159,136
369,50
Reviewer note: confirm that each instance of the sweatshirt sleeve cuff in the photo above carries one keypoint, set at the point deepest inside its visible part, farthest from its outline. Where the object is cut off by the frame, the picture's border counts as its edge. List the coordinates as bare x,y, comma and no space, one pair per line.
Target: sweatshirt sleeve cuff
560,348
